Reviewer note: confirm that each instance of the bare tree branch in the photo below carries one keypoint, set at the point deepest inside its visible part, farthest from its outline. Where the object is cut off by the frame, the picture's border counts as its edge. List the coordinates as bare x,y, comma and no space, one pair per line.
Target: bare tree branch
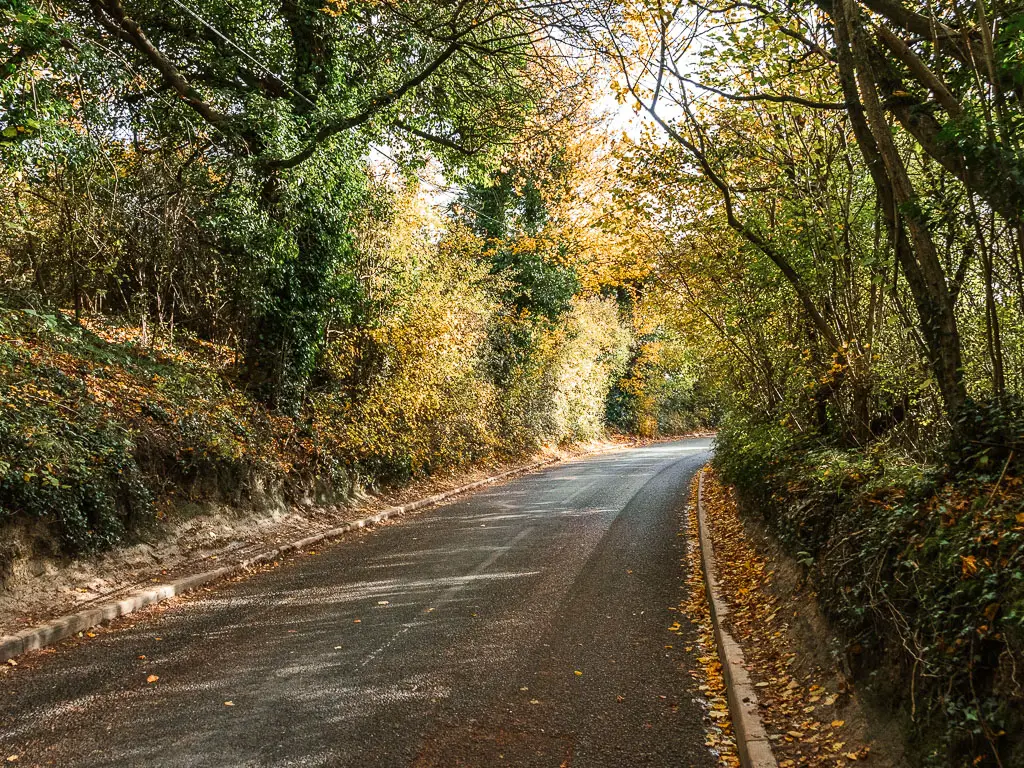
442,141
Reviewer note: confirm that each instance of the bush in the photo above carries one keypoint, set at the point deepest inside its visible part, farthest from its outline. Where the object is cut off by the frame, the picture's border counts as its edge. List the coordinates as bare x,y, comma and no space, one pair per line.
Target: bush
421,355
920,568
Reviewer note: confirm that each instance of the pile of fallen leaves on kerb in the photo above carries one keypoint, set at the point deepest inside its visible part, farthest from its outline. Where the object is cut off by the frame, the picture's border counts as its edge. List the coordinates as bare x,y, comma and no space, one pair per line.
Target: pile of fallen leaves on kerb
708,671
801,716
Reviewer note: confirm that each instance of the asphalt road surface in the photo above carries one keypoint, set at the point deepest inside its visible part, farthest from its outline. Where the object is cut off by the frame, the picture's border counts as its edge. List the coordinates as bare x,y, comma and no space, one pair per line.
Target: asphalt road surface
453,638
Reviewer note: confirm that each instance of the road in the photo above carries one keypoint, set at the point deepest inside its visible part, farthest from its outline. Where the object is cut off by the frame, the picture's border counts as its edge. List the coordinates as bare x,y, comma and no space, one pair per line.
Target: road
524,625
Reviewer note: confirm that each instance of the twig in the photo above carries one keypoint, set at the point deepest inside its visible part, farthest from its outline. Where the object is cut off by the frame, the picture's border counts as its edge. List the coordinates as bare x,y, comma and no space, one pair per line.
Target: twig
998,482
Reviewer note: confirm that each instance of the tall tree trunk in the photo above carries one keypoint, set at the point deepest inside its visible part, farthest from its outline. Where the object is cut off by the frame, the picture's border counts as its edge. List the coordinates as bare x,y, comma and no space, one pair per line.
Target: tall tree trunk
993,336
916,254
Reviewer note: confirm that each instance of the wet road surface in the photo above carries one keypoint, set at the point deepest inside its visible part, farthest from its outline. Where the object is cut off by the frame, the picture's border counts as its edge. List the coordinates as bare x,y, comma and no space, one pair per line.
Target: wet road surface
452,638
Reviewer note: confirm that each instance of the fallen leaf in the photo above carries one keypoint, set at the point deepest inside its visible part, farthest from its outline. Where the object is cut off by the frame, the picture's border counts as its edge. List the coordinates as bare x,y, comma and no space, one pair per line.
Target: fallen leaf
577,673
229,703
838,723
968,567
152,678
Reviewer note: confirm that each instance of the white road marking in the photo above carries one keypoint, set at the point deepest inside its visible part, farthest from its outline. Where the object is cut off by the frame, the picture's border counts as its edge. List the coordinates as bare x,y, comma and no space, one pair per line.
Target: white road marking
451,592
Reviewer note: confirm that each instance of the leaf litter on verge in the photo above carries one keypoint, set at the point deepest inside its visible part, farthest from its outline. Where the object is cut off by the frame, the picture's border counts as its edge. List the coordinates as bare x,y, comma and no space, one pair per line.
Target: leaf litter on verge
707,673
797,713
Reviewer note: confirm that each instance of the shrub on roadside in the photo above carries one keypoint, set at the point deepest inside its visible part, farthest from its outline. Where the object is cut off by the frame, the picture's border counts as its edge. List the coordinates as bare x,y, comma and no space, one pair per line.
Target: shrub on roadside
921,570
104,425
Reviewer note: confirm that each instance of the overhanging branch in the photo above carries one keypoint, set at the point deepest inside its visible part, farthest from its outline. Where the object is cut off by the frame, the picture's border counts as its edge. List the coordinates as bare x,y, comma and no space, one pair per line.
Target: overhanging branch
442,141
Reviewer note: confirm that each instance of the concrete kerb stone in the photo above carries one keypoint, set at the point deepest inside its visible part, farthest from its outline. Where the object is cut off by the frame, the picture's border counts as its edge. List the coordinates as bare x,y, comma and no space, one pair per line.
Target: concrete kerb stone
42,635
752,742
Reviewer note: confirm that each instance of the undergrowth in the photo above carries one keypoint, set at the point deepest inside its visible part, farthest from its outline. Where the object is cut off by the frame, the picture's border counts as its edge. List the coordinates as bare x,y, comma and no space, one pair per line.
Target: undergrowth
92,428
919,567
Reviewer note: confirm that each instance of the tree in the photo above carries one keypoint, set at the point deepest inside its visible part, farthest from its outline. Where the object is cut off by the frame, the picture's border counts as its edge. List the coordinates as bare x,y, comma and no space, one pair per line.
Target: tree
840,65
270,109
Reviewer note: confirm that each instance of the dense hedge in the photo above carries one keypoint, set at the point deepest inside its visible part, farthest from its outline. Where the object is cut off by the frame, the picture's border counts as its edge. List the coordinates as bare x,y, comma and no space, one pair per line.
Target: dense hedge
920,568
